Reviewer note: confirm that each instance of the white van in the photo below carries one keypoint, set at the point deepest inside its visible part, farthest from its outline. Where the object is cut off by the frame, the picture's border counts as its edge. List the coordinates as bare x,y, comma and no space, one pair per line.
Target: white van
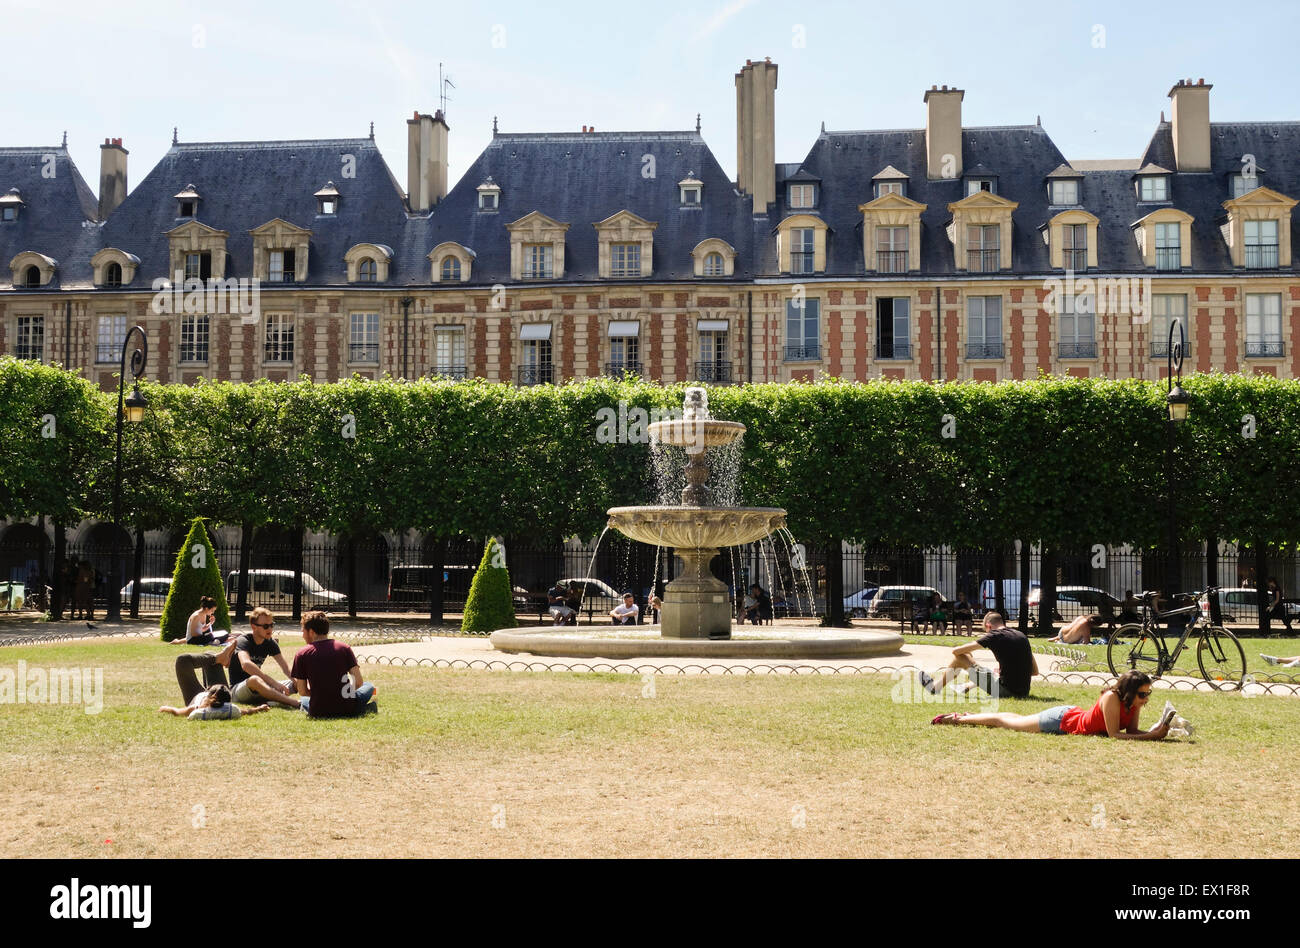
1010,595
273,588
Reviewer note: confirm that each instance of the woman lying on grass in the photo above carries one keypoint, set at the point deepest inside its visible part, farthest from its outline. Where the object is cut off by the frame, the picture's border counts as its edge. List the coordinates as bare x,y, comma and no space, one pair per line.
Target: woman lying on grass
214,704
1115,714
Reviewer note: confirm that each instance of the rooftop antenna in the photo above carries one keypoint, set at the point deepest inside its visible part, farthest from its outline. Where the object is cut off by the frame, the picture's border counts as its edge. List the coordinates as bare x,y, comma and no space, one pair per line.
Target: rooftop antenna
372,131
65,138
494,126
697,123
443,83
174,140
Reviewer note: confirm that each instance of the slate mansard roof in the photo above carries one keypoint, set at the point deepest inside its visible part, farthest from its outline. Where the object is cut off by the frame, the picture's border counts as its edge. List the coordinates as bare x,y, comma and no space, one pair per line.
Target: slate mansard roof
59,209
583,179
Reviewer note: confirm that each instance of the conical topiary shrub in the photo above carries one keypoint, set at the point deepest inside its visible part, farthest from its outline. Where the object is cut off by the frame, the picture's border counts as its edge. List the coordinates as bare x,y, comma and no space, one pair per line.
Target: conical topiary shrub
490,603
197,574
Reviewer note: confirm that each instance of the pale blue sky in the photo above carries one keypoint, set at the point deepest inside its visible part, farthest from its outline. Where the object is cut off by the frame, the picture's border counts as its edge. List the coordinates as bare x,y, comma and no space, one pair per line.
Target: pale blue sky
1098,73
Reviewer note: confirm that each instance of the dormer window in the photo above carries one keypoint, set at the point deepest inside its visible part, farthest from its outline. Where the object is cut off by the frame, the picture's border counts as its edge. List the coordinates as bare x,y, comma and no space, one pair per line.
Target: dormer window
32,277
113,275
327,200
489,195
1244,184
11,205
802,195
187,202
367,271
280,266
889,187
690,188
1153,187
976,185
1065,192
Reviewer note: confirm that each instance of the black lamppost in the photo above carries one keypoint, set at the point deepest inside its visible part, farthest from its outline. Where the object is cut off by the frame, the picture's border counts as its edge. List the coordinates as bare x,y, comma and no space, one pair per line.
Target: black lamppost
1178,402
131,408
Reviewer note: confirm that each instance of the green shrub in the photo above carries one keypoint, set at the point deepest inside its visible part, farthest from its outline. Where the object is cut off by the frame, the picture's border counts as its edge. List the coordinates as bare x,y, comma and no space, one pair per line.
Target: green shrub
190,583
490,604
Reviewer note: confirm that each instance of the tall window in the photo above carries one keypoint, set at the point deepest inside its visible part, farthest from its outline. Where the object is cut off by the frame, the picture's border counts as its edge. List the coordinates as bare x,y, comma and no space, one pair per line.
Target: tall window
367,271
31,338
198,266
625,260
1154,188
714,266
891,249
1264,325
279,338
1261,244
539,261
713,365
1167,309
983,248
536,368
893,328
194,338
801,250
984,327
108,339
364,339
624,354
1074,246
449,351
802,195
280,268
802,330
1077,323
1169,253
451,268
1065,192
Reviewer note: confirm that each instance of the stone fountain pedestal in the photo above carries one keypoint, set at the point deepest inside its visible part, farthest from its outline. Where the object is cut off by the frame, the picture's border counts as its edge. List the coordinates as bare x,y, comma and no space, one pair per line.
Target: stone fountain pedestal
697,604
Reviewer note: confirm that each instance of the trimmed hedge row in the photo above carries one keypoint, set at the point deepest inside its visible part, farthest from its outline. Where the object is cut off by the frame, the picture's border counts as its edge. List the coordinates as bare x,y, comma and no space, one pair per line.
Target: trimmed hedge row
1062,461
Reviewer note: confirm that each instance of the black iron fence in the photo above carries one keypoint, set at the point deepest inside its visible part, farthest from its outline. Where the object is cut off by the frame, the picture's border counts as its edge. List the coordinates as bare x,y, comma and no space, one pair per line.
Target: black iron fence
431,577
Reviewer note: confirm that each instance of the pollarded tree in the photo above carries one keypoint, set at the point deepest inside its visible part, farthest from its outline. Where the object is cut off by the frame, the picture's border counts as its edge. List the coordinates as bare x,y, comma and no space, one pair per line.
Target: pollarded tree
196,574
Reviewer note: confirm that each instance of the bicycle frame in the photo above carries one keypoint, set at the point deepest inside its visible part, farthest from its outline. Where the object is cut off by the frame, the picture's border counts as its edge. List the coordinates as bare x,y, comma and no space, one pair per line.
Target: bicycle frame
1151,625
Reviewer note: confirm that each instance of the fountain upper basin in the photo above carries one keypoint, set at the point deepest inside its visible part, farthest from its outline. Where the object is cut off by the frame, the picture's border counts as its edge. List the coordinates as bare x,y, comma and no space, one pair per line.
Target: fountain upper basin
696,434
686,527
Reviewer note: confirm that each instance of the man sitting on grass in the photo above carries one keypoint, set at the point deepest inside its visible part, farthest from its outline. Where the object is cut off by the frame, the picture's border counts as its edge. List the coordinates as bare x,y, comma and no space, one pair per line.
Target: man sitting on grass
327,675
1016,663
248,683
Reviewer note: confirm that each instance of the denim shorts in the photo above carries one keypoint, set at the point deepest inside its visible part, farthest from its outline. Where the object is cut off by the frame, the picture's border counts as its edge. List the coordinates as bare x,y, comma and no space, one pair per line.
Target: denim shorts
1049,721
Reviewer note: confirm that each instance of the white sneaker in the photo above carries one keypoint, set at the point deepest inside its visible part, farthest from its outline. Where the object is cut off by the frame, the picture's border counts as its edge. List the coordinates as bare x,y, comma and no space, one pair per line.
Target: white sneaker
1270,659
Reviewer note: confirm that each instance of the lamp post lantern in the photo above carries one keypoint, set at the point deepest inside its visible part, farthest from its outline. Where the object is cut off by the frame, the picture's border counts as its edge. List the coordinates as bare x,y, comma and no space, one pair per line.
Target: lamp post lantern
1179,403
129,408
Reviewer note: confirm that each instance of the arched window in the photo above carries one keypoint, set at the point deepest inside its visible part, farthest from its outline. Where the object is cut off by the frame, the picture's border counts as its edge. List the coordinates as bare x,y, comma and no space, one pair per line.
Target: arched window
366,271
713,265
113,274
32,276
450,268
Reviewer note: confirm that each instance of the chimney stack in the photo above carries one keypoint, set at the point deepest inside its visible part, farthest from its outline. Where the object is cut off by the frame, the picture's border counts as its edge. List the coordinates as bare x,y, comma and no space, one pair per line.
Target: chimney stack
426,160
943,132
1191,125
112,176
756,132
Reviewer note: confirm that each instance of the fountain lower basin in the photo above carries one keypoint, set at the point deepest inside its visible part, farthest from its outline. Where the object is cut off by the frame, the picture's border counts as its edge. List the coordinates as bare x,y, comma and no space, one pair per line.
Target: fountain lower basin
758,642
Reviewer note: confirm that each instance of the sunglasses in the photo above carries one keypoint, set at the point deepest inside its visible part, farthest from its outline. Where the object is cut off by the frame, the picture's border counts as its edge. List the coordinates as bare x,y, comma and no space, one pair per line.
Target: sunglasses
264,625
1144,694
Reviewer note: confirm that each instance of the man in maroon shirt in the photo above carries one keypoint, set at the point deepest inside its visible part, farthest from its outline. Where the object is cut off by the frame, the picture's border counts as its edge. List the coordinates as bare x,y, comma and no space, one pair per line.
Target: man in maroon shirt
327,675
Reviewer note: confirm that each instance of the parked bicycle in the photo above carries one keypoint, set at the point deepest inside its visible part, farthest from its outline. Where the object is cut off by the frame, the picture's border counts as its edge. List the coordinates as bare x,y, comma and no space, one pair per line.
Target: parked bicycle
1142,646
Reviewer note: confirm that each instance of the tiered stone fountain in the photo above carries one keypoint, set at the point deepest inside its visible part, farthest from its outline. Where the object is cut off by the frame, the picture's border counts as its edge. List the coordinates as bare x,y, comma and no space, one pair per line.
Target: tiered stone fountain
697,610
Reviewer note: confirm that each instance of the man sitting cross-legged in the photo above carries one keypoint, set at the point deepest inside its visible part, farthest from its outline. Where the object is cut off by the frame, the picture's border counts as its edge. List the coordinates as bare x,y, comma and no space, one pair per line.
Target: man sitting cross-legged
327,675
1016,663
248,683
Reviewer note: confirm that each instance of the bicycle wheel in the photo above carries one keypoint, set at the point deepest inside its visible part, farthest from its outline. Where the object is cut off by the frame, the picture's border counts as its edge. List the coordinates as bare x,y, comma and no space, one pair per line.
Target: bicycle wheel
1221,657
1130,648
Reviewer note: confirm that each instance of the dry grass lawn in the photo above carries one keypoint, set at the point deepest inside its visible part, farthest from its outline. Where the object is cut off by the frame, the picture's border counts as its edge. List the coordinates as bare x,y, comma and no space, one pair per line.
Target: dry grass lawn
503,764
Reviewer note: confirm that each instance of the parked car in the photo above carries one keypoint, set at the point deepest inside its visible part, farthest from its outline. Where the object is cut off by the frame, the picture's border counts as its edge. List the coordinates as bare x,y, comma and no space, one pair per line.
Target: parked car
1010,595
153,593
858,604
1074,601
273,588
1241,604
893,601
412,585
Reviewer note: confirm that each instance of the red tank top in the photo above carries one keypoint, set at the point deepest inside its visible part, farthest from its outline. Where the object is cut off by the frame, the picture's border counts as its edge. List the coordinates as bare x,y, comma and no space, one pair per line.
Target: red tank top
1093,721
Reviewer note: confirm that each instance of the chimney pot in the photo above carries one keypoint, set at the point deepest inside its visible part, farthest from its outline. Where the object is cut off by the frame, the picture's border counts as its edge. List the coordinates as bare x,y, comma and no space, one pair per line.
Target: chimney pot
106,141
1200,82
749,62
767,59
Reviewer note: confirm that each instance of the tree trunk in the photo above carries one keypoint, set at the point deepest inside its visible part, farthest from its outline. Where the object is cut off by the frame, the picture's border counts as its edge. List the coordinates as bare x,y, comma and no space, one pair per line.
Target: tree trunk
297,571
835,583
1026,562
245,561
1047,601
438,554
999,580
350,551
1261,584
60,566
137,572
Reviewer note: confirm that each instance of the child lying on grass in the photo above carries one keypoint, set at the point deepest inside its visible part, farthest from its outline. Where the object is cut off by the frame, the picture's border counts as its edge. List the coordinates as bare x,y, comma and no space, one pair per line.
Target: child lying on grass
214,704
